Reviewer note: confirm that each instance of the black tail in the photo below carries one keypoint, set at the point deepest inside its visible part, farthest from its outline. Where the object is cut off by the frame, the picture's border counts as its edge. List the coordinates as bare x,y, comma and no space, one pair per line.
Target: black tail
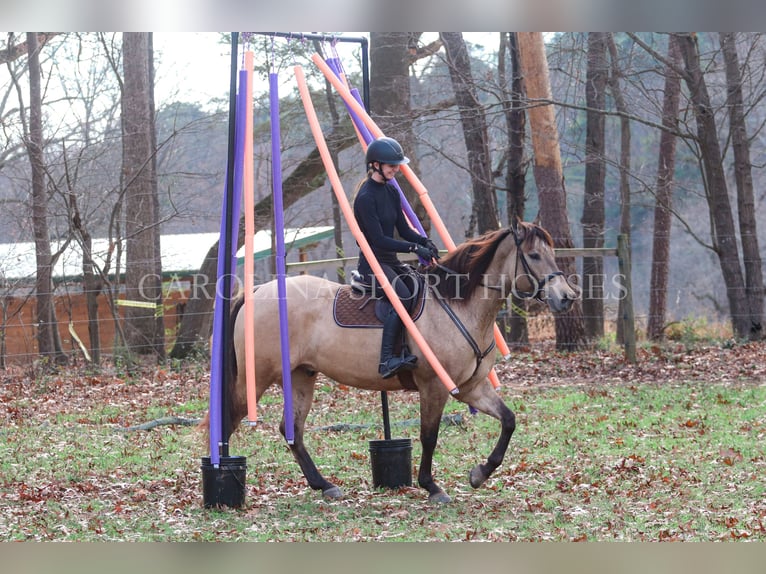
231,358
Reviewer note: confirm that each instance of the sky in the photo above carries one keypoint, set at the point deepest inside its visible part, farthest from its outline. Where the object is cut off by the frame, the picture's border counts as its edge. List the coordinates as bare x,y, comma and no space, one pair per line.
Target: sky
195,66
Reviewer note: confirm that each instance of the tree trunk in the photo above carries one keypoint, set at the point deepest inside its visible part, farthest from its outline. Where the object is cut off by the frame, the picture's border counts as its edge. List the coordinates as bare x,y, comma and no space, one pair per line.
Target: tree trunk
625,199
475,132
548,173
724,232
516,167
595,175
47,327
664,199
390,102
744,180
143,285
159,316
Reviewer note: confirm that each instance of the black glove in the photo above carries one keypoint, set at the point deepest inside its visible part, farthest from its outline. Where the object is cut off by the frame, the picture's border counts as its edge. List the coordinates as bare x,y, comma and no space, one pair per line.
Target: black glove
423,252
434,250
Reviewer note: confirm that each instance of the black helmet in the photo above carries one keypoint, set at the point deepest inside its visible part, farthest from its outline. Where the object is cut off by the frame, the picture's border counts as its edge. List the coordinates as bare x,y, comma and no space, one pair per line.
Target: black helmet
386,150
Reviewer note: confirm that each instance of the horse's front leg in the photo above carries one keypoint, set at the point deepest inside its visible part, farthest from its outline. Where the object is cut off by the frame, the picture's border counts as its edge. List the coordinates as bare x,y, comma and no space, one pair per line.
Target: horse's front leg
303,396
484,398
432,401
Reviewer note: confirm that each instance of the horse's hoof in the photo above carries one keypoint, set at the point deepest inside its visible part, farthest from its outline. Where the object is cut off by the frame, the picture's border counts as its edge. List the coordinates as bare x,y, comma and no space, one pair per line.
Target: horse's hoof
439,498
332,493
477,476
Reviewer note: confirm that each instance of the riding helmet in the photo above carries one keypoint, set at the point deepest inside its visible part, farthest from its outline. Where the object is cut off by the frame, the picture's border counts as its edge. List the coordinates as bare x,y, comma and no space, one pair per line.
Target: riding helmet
386,150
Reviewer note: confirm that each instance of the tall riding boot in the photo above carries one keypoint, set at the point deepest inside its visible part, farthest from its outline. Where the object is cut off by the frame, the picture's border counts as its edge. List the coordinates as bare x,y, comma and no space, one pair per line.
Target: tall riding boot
390,364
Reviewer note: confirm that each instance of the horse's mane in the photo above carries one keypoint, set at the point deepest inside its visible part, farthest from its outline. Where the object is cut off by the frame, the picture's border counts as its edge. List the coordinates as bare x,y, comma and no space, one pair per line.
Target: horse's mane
461,271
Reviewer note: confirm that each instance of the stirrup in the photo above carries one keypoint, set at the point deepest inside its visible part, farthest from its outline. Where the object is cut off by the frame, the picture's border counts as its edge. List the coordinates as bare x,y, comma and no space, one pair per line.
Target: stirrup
393,365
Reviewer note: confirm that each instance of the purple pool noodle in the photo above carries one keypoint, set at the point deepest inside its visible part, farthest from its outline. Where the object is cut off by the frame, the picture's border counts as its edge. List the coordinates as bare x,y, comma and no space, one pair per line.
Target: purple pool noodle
279,230
216,366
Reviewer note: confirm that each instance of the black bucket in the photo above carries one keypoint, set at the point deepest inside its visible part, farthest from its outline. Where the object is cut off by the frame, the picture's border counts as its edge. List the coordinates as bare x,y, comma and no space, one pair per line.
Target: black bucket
225,485
391,462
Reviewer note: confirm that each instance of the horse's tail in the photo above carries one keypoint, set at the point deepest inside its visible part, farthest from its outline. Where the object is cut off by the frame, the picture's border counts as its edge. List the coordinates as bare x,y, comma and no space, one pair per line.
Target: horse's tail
236,304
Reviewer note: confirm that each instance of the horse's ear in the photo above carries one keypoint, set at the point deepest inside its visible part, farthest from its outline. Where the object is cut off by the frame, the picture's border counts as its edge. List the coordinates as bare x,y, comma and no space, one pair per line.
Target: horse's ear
537,220
515,224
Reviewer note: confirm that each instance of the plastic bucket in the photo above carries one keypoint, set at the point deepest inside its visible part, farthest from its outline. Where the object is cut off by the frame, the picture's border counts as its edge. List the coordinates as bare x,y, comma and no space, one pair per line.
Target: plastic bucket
391,462
225,485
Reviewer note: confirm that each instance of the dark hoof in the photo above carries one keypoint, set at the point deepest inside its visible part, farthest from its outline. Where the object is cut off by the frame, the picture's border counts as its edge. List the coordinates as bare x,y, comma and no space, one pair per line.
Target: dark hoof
332,493
439,498
477,476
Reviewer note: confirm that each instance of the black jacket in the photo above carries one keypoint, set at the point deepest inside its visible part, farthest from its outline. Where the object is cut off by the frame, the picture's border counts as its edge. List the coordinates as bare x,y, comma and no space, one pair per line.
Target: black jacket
378,211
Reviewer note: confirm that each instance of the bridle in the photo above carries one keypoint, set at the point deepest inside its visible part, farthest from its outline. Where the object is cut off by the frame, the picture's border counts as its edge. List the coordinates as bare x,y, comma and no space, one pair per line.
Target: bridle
536,294
538,283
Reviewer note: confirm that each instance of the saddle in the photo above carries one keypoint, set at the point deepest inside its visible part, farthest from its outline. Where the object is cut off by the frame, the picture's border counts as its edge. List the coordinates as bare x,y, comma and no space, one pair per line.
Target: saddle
355,307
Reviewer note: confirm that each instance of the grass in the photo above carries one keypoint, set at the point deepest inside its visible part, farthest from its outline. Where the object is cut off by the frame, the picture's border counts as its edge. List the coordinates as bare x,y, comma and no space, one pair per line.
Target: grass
629,460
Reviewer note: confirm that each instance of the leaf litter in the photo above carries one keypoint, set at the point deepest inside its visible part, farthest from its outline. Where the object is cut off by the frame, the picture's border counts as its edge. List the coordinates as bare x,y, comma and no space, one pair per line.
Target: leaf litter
668,449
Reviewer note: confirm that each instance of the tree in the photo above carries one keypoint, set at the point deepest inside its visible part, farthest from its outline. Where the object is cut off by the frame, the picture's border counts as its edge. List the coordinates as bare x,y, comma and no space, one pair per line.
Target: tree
743,177
48,342
475,133
724,232
391,54
595,175
625,195
143,283
548,174
658,285
516,164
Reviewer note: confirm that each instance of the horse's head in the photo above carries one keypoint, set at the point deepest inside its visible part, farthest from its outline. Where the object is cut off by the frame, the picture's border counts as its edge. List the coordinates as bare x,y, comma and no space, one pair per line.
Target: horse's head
536,274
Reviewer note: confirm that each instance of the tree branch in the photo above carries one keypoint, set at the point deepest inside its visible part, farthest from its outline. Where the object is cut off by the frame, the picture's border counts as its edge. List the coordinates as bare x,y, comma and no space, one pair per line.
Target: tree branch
14,52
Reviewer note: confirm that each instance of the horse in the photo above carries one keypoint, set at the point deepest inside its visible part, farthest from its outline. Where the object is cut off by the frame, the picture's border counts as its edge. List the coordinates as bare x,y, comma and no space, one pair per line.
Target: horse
468,285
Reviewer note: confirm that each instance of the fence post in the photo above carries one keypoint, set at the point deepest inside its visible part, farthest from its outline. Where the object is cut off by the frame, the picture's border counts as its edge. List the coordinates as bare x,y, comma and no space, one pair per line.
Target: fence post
628,318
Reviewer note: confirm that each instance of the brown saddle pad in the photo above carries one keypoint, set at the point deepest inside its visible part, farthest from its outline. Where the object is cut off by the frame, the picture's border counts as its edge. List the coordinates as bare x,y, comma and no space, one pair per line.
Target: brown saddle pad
355,310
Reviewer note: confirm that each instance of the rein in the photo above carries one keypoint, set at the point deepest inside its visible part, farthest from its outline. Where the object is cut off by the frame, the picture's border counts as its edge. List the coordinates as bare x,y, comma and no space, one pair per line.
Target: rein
480,356
539,285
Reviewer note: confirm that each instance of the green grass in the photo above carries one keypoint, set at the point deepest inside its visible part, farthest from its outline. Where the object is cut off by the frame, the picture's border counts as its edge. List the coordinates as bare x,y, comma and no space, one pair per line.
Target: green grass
678,461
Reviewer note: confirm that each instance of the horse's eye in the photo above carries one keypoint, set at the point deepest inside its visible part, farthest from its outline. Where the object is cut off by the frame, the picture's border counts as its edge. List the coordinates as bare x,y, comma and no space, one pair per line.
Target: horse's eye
534,256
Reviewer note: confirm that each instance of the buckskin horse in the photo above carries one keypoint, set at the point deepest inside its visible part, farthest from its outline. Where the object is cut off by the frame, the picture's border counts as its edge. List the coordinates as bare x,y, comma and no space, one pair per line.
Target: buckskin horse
466,289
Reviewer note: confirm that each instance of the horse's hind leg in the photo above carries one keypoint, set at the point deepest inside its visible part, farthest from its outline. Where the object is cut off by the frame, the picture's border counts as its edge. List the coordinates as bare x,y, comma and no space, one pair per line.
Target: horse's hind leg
484,398
303,396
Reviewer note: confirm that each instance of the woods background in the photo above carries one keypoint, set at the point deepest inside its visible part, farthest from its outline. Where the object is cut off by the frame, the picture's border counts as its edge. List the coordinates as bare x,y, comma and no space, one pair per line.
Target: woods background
658,137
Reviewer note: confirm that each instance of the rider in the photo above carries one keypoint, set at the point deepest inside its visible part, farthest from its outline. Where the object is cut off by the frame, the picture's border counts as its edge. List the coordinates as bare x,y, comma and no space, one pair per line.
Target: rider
378,211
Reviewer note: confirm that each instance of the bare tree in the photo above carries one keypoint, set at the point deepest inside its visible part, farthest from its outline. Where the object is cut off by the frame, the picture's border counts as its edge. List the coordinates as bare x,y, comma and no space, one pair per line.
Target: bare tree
722,219
595,174
516,164
658,285
743,177
143,285
48,342
548,173
475,133
391,54
625,195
